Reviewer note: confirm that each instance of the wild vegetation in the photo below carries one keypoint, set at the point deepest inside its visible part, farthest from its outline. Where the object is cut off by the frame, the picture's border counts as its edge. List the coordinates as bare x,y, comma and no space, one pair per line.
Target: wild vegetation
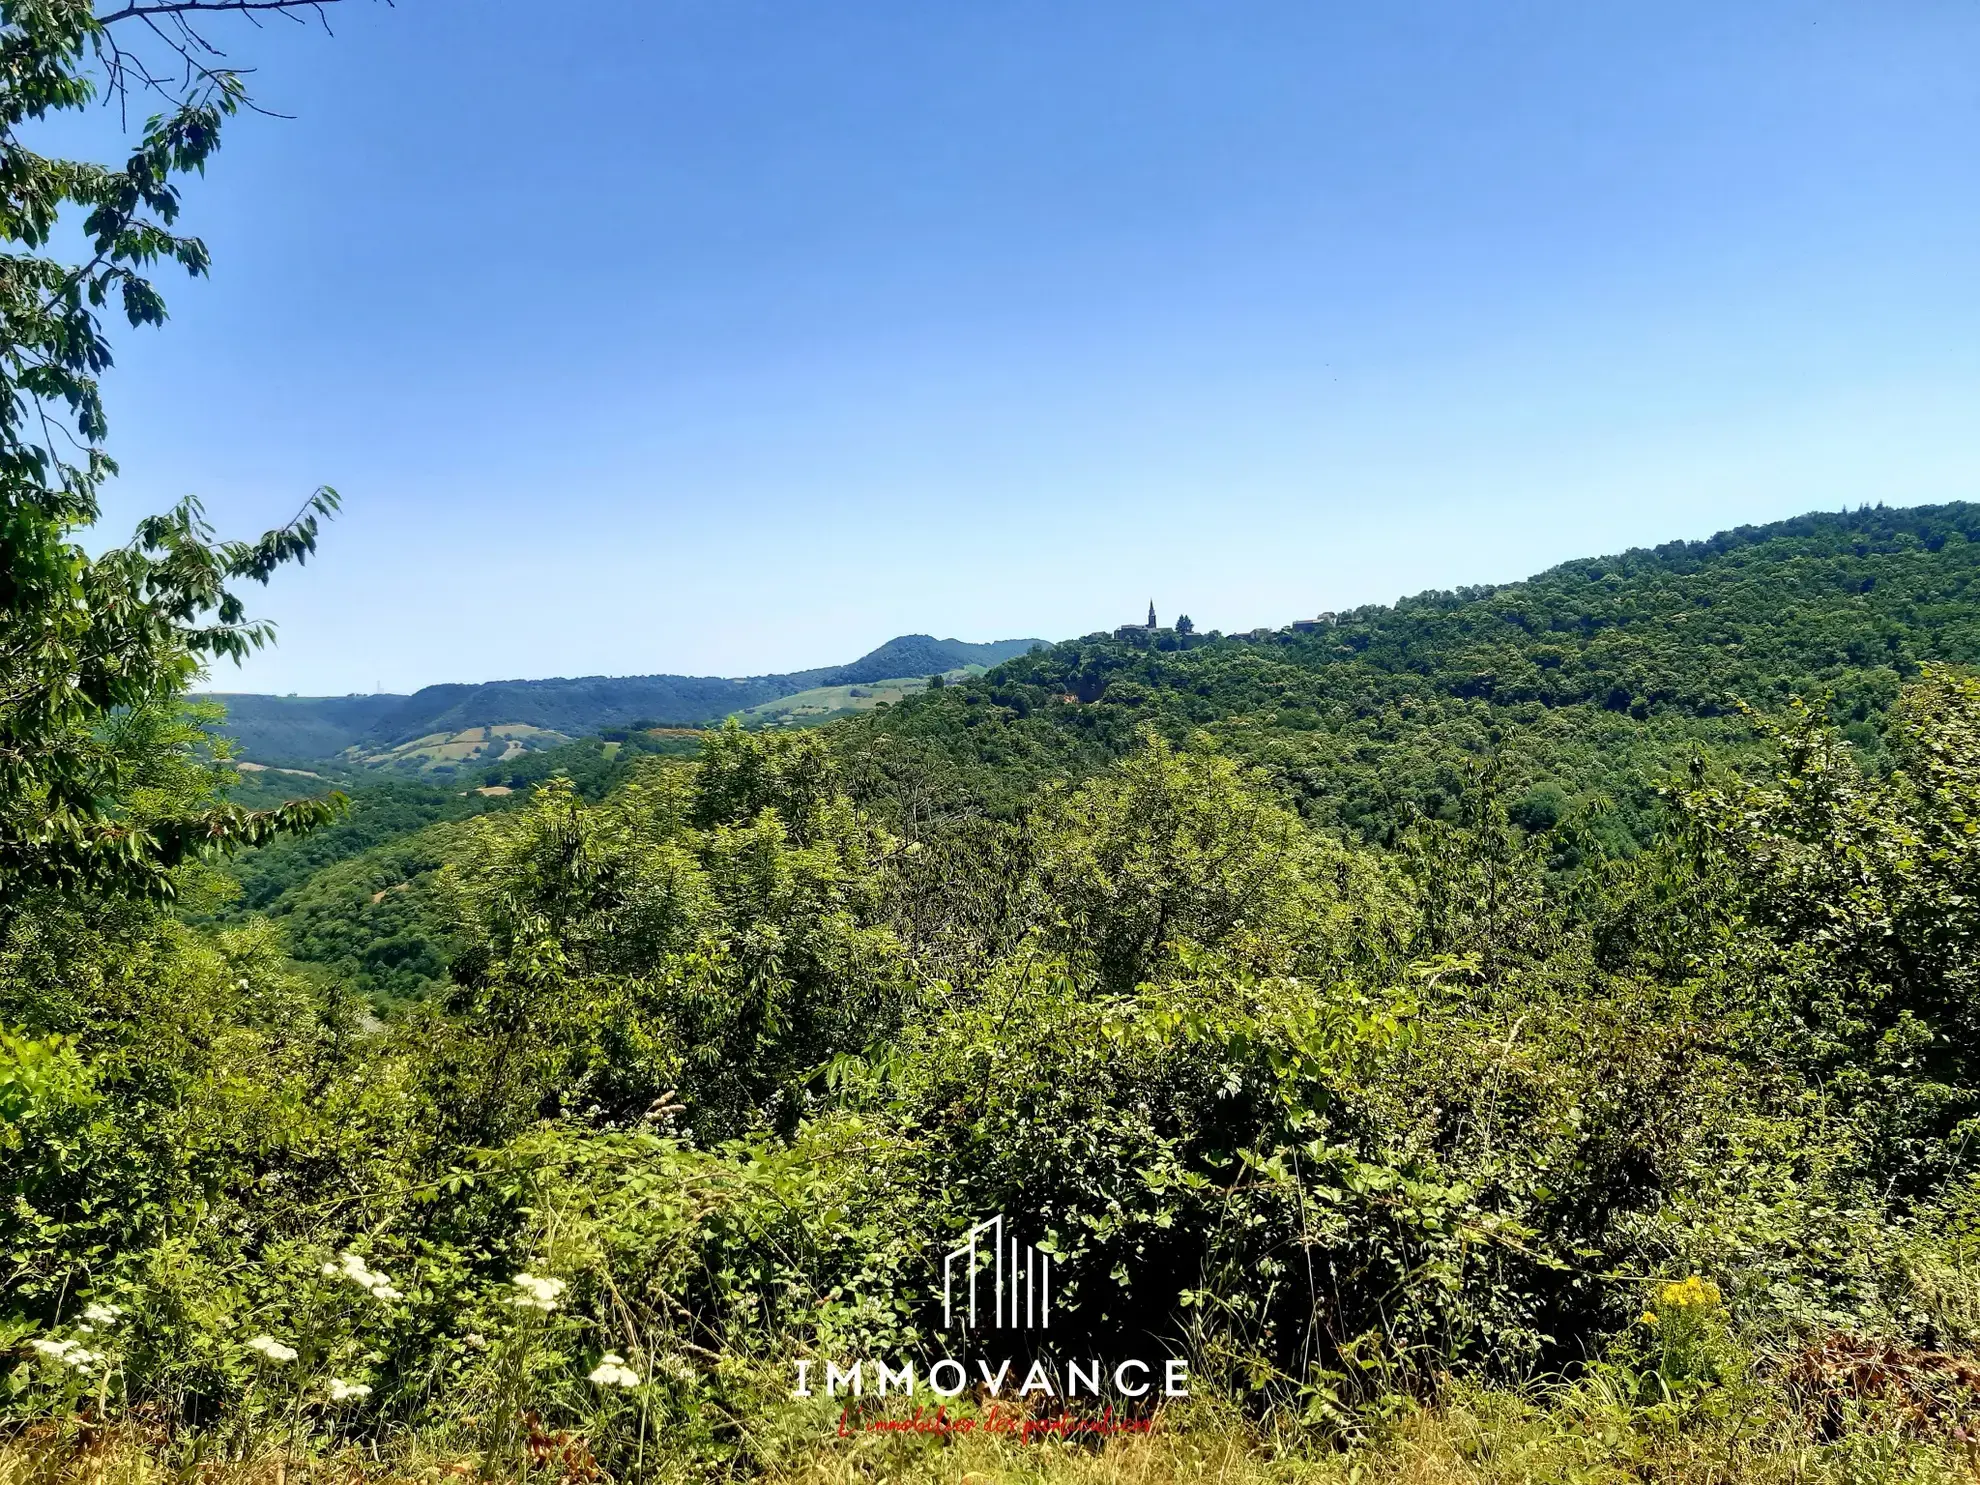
1463,1034
1421,1151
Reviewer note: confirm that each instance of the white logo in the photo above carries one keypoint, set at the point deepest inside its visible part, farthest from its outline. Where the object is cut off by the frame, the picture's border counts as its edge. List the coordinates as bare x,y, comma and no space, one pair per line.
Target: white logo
1019,1279
1013,1282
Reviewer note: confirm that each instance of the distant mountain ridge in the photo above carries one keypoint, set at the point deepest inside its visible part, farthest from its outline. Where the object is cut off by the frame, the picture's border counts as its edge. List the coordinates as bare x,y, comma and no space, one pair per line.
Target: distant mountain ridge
281,729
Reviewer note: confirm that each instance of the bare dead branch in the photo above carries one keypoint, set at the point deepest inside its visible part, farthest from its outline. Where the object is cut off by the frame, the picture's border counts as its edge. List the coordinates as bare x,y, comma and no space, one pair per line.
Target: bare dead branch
175,28
184,7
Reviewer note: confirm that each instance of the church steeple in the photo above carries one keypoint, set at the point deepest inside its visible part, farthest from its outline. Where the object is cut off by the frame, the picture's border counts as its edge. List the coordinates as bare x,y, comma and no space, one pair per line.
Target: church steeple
1151,613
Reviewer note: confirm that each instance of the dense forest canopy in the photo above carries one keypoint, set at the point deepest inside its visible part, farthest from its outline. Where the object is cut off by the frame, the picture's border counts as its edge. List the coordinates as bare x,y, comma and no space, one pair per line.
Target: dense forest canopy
1376,719
1585,684
729,1054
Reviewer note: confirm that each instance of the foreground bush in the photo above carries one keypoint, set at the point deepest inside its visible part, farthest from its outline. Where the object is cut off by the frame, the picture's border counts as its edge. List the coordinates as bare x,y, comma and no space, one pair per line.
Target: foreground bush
1392,1146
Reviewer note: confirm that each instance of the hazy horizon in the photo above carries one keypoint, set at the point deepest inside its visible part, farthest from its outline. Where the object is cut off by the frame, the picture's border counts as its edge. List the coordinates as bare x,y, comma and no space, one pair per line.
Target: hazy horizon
219,690
1167,618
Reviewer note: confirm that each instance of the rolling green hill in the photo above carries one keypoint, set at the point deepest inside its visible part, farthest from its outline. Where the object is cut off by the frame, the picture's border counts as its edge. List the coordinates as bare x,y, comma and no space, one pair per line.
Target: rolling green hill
828,703
450,750
300,729
357,900
304,729
1579,690
1583,686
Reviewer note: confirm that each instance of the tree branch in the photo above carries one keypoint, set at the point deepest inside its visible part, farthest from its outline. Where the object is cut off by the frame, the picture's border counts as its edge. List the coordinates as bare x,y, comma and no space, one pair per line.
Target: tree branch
183,7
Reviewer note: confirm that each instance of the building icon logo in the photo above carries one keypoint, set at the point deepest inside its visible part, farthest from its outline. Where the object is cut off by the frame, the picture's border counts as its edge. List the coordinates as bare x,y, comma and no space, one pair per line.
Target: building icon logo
994,1281
1015,1281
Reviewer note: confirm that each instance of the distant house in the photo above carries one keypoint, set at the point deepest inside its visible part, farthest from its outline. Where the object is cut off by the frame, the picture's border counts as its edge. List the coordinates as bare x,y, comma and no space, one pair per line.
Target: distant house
1314,625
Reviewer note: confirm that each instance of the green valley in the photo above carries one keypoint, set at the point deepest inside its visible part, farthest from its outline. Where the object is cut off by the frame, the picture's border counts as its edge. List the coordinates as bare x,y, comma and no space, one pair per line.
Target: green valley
1576,697
1594,944
1519,1034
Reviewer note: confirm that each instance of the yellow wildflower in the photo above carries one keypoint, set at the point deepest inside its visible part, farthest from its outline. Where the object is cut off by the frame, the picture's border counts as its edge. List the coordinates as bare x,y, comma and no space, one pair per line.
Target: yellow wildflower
1693,1293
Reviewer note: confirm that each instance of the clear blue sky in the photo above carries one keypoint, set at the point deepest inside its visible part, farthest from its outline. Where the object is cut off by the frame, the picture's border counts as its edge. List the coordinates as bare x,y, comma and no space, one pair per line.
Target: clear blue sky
730,337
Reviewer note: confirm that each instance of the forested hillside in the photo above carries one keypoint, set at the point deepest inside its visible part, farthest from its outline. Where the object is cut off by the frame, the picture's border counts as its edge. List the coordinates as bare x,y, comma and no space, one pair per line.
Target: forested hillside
1581,688
1459,1021
1573,697
301,729
278,729
358,901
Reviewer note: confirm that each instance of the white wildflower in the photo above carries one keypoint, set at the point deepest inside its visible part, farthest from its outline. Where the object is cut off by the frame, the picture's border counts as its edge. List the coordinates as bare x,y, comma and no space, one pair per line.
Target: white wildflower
102,1314
68,1353
370,1280
342,1391
273,1349
537,1293
612,1371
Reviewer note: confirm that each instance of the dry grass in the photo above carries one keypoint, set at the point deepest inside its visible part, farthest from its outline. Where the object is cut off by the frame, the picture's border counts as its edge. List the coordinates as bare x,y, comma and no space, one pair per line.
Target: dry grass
1483,1438
1427,1449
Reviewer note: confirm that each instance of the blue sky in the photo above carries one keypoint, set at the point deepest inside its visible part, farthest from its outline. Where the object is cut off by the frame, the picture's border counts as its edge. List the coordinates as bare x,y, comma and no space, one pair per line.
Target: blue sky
731,337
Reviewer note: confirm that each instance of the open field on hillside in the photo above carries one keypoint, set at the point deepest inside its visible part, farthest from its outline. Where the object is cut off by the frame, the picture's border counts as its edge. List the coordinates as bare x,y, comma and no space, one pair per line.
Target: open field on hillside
824,703
496,744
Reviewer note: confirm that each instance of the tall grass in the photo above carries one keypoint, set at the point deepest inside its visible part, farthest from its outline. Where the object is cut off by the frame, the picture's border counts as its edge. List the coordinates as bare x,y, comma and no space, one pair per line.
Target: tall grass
1586,1434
